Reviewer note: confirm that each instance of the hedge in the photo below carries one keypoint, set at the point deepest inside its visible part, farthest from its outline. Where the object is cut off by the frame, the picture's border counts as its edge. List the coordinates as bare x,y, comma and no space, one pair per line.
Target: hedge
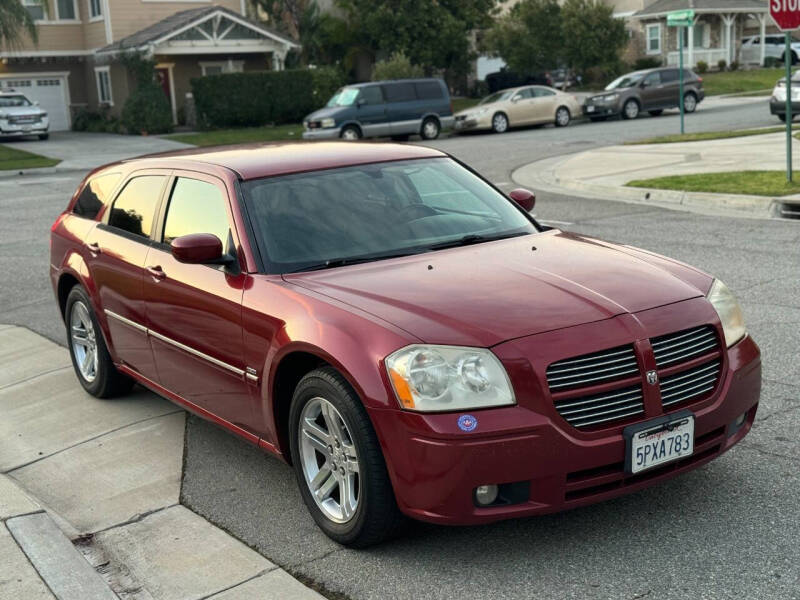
258,98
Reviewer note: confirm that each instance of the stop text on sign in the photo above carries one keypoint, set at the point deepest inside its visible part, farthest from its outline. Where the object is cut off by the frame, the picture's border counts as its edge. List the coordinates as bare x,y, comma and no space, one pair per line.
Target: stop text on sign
784,5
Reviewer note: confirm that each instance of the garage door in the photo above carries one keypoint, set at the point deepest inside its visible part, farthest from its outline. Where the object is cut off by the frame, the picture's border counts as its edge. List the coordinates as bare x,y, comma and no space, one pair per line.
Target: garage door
50,91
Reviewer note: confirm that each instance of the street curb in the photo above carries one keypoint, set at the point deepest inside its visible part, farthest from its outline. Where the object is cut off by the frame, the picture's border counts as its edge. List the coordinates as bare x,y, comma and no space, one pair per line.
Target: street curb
543,176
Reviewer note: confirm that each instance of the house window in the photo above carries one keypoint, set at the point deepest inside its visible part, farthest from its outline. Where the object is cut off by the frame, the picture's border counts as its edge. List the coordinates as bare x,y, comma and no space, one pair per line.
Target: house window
699,40
95,9
654,38
103,78
65,10
35,9
222,66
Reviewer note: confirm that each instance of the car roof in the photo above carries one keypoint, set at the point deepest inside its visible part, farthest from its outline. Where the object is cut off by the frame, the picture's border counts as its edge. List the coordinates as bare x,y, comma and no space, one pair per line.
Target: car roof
385,81
253,161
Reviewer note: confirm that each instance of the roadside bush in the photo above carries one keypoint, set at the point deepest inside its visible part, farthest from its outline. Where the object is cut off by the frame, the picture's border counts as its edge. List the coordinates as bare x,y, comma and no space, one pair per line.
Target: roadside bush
721,64
702,66
259,98
147,109
647,62
734,65
96,121
770,62
397,66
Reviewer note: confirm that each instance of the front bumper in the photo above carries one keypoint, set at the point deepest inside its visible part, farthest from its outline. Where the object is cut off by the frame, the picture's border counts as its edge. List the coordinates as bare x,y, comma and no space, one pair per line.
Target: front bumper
327,133
600,109
13,129
472,123
435,467
778,107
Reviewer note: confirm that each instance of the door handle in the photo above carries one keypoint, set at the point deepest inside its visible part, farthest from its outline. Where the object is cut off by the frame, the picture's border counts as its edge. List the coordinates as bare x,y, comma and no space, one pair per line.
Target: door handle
156,272
94,248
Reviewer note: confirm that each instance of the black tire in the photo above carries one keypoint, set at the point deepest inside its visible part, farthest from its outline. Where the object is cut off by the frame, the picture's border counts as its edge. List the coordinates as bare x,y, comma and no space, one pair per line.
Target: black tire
689,102
793,58
782,117
350,132
656,113
376,516
108,382
597,119
497,122
44,136
628,110
430,129
563,116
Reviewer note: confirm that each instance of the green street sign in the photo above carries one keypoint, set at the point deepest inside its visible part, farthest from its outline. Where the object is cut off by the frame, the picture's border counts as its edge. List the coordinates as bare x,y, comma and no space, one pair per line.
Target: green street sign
680,18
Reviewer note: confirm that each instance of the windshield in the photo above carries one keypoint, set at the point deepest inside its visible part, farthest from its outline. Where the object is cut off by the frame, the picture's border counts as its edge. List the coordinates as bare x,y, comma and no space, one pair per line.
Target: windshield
369,212
344,97
12,101
496,97
625,81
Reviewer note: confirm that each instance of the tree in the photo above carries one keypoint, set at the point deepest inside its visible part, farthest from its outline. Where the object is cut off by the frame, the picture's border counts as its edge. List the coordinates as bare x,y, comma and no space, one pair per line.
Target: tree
593,37
396,67
286,15
434,35
529,38
15,22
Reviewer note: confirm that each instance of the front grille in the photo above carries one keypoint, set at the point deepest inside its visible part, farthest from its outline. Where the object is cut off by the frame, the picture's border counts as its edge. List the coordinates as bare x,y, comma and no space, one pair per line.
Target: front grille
591,369
461,117
23,120
683,345
691,384
585,411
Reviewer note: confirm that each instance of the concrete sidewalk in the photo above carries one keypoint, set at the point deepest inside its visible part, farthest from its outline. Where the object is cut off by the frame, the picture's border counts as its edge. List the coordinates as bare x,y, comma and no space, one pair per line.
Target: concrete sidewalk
89,495
602,173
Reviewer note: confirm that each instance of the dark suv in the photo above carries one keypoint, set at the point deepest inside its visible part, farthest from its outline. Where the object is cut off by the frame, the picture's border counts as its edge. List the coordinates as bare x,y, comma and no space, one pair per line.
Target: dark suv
652,90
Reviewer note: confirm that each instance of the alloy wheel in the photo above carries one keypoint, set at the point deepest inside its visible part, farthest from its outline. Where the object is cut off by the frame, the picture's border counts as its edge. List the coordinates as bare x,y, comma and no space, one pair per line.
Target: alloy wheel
562,117
84,341
631,109
329,460
430,130
499,123
689,103
350,134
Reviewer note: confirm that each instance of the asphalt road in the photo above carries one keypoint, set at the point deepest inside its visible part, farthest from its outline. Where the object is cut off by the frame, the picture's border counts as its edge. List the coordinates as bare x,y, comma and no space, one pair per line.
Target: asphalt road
727,530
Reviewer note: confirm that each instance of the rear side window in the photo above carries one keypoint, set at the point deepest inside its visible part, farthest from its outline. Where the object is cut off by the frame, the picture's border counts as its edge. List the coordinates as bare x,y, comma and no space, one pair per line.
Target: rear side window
371,95
95,195
670,75
653,78
196,207
399,92
135,207
429,90
543,93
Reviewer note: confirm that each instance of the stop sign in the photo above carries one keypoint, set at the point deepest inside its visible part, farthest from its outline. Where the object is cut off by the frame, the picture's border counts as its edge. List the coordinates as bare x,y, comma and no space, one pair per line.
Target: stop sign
785,13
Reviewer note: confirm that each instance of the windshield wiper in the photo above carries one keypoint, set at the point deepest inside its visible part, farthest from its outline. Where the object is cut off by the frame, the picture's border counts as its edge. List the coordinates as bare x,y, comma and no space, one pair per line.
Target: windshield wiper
473,238
349,260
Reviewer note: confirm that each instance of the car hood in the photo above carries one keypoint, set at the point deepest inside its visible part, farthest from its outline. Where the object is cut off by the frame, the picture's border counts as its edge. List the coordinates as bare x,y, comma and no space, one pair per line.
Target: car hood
327,112
21,111
488,293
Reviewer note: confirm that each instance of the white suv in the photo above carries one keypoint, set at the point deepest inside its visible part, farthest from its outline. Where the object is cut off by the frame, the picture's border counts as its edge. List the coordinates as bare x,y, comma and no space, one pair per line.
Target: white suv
19,116
774,47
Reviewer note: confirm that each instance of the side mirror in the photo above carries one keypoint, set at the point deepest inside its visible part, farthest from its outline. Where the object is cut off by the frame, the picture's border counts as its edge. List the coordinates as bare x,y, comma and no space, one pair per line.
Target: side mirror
516,99
36,103
360,102
197,248
524,198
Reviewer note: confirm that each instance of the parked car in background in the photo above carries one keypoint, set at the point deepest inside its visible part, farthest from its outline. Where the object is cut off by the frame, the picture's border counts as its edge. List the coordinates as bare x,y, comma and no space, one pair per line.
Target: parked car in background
774,47
651,90
528,105
411,340
21,117
562,79
397,109
777,103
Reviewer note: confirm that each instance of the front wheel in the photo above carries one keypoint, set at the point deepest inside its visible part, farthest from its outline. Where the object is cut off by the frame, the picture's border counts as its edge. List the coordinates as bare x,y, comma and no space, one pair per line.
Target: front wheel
630,110
44,136
430,129
350,133
562,116
499,123
87,349
338,462
689,102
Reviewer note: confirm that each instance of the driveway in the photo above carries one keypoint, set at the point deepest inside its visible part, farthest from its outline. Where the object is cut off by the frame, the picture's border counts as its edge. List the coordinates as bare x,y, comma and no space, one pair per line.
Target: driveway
84,151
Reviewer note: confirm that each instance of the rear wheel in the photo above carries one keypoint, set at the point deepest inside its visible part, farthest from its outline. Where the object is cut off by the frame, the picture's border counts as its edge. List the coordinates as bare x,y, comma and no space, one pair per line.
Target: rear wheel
630,110
500,123
87,349
338,462
430,129
656,113
350,133
44,136
689,102
562,116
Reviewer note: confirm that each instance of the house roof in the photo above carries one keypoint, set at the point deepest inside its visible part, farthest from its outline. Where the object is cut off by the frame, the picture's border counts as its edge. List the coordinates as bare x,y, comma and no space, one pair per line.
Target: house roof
660,8
179,21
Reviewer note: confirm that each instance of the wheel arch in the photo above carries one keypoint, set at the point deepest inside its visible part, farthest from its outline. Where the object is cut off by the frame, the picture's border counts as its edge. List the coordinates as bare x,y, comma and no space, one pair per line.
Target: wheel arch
355,124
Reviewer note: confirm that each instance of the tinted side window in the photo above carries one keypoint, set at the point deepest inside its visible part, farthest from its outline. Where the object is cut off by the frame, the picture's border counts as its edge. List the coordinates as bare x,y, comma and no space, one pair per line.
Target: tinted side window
399,92
653,79
95,195
522,94
135,207
196,207
670,75
543,93
429,90
371,95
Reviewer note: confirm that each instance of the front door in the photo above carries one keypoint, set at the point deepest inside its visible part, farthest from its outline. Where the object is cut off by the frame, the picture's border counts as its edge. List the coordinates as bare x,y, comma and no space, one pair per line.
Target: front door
520,109
116,251
194,311
371,111
162,75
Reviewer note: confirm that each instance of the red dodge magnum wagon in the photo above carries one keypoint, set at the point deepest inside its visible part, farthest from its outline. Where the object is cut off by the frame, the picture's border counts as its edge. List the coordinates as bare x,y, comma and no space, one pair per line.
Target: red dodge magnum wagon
408,338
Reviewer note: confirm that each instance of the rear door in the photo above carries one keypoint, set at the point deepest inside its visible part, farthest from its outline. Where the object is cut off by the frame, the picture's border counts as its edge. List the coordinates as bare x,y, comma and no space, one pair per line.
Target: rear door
652,91
671,86
116,249
544,104
372,114
402,108
194,311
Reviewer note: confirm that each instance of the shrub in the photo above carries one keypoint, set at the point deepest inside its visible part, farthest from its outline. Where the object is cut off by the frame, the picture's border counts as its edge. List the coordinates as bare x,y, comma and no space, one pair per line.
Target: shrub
734,65
702,66
258,98
96,121
721,64
771,62
147,109
397,66
647,62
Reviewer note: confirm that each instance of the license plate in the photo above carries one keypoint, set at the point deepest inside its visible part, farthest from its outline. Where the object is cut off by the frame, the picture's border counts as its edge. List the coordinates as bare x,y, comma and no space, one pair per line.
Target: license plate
26,128
659,441
590,109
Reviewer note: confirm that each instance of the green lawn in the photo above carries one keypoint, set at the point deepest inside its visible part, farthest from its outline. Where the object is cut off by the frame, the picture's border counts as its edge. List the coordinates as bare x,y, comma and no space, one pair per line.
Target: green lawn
220,137
756,183
731,82
707,135
15,160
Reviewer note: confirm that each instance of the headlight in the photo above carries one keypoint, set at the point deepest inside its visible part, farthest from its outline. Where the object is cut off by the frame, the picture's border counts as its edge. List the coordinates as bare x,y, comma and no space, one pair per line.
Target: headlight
480,111
43,115
610,97
729,311
327,123
779,93
448,378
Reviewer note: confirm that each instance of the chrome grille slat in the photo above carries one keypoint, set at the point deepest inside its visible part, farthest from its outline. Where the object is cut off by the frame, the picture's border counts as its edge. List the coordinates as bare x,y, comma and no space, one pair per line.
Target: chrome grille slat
594,356
585,381
582,374
690,384
665,345
596,399
685,352
688,397
600,408
597,407
668,392
559,370
605,365
607,419
683,345
709,367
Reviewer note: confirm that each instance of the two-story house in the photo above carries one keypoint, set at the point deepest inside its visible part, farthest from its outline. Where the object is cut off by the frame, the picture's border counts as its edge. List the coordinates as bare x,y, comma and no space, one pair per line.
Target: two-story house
76,60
